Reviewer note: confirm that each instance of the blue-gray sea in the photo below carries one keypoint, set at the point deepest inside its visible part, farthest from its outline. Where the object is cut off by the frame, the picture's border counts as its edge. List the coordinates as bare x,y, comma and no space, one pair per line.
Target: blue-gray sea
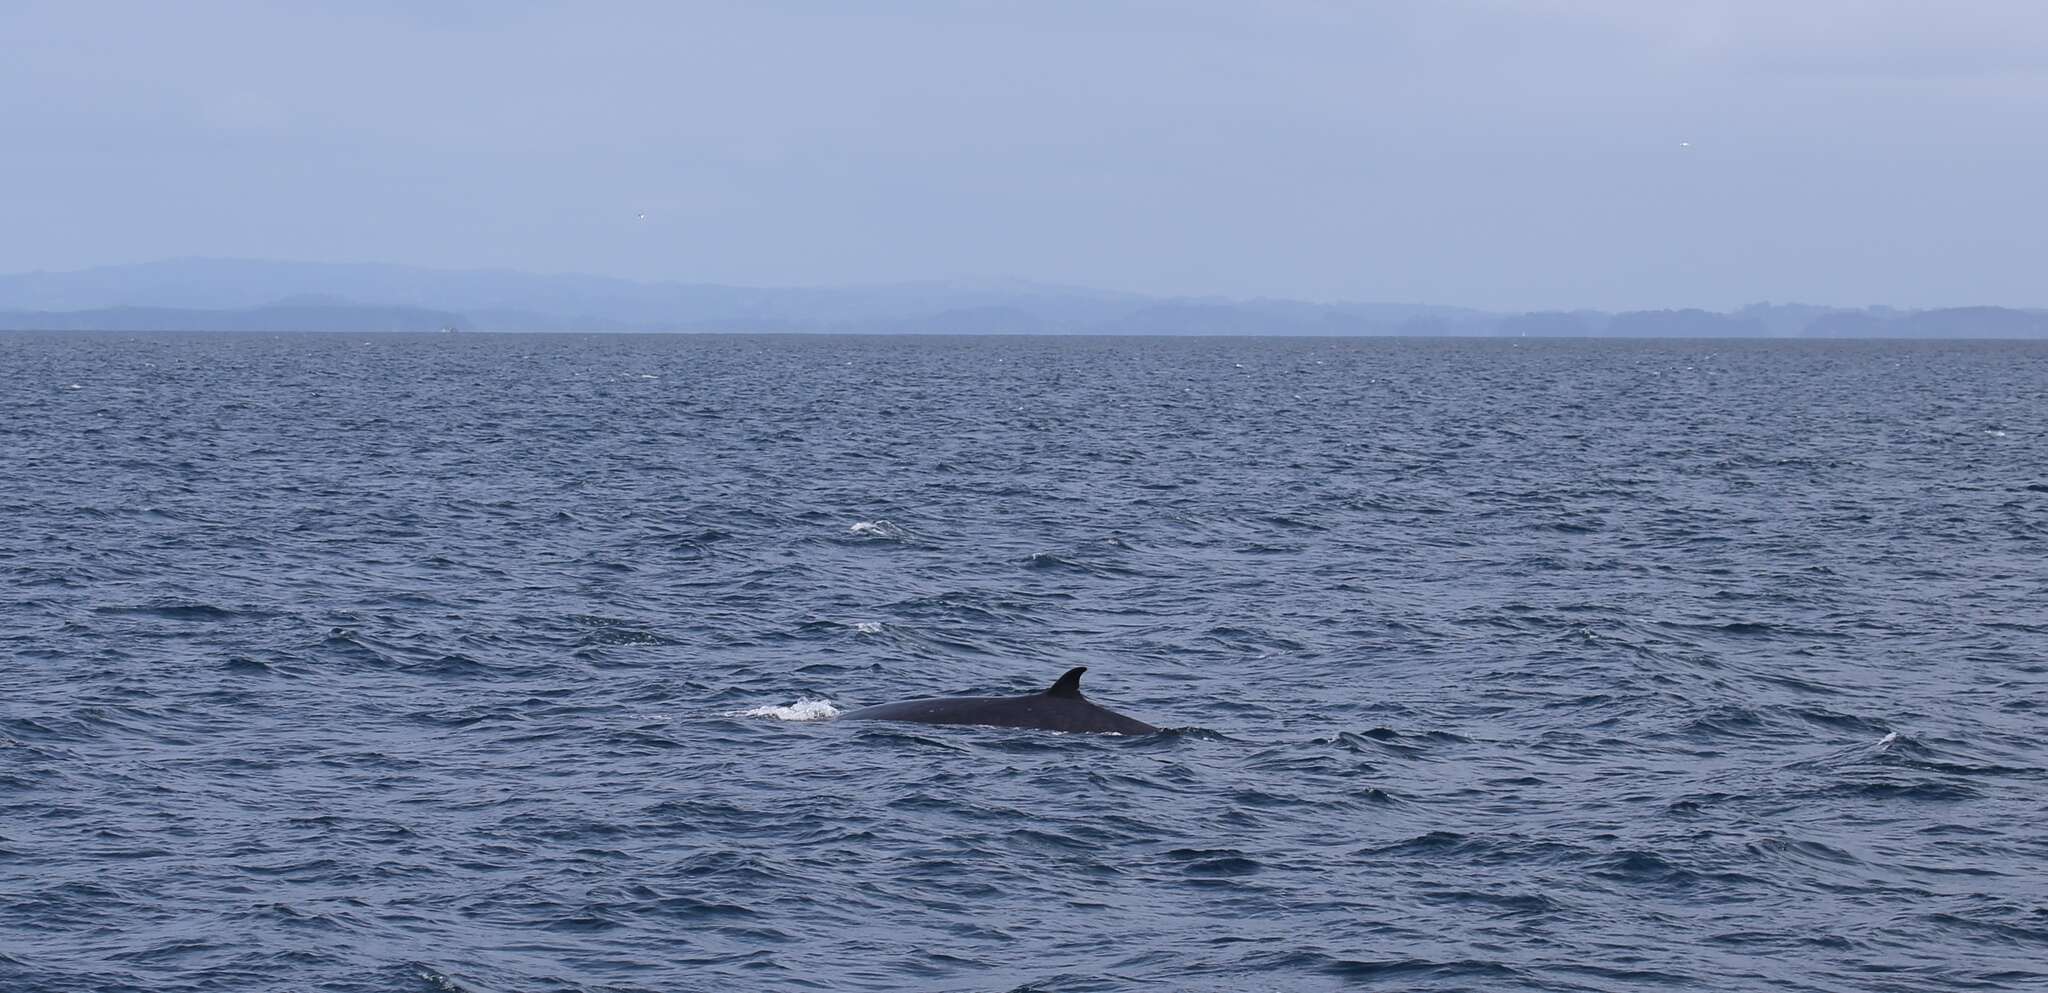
505,663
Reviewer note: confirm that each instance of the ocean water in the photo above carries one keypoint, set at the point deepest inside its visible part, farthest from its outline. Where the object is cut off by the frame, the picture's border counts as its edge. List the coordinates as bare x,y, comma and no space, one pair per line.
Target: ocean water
507,663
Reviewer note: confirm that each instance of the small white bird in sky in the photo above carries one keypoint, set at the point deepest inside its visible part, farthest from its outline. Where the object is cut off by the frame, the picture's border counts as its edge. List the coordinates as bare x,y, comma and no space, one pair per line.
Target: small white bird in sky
1682,144
643,215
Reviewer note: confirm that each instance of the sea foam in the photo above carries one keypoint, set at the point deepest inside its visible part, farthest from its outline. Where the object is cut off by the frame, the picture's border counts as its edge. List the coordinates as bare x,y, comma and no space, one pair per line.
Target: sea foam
802,710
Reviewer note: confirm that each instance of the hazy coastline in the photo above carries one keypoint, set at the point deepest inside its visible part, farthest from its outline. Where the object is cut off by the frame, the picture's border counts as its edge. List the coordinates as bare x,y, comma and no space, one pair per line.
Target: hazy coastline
238,295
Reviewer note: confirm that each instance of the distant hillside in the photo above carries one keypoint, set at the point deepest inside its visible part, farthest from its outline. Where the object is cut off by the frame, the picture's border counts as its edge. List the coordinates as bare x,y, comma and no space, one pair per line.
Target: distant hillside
501,300
517,301
237,295
274,318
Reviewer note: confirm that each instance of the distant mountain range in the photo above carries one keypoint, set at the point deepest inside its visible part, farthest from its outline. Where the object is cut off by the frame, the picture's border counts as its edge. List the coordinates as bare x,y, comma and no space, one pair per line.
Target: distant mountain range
240,295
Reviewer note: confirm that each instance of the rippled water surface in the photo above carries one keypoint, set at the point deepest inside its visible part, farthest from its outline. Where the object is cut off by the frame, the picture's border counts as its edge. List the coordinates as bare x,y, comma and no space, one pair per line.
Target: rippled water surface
464,662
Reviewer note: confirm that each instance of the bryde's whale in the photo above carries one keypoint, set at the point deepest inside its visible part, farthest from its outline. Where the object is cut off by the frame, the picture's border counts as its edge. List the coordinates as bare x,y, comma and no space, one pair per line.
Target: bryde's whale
1061,708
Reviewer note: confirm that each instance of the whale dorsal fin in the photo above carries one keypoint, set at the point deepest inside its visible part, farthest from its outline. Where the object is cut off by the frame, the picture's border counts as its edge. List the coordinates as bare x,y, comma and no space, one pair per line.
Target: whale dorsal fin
1069,685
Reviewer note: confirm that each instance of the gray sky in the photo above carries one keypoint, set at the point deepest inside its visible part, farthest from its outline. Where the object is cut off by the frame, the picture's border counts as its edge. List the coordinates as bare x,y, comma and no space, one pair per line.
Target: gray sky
1495,154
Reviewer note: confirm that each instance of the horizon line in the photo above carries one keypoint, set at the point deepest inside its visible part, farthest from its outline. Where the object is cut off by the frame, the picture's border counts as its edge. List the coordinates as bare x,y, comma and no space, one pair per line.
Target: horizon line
989,282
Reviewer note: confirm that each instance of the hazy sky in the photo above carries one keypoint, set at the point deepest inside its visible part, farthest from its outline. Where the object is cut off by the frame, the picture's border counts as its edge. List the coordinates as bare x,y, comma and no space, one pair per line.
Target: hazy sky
1498,154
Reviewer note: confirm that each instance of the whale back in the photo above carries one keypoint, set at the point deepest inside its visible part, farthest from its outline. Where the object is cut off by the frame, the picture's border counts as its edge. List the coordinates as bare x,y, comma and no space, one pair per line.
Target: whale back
1059,708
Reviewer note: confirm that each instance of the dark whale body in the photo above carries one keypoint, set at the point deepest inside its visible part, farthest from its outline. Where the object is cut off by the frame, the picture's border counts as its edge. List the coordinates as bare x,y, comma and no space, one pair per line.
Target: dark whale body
1061,708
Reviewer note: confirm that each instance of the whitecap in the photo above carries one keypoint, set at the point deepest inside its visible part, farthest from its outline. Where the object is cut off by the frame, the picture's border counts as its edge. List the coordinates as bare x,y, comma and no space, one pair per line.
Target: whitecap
876,529
867,627
802,710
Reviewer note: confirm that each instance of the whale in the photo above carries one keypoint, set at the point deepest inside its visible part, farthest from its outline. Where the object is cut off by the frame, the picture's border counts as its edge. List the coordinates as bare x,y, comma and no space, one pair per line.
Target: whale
1061,708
